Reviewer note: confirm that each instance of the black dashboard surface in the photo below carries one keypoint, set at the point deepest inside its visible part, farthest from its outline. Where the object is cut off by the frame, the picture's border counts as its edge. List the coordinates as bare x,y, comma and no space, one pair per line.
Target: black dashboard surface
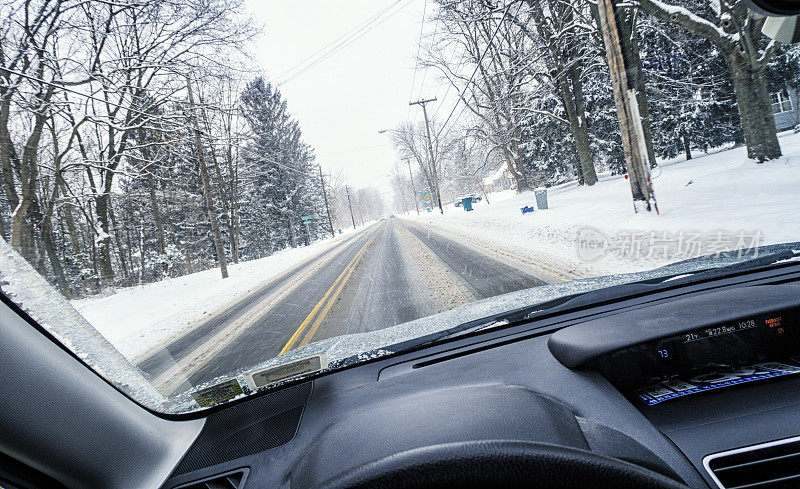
500,385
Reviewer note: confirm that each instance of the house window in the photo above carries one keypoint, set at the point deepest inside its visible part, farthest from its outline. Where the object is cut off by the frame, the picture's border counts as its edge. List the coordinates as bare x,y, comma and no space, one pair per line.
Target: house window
781,102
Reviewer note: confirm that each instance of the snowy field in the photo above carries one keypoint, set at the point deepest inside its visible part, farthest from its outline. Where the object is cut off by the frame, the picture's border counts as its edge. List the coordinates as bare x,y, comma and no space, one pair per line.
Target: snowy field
134,319
712,202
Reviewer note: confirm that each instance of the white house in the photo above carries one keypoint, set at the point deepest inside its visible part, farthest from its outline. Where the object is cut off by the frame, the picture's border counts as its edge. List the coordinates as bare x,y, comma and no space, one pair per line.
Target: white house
785,109
501,179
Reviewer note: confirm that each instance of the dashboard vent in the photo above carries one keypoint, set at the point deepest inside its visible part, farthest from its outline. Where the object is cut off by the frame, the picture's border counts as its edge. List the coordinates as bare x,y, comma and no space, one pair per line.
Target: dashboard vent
229,480
771,465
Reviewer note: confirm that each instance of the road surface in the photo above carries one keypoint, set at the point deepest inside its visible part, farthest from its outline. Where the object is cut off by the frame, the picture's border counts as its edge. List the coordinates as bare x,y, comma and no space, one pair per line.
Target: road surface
392,272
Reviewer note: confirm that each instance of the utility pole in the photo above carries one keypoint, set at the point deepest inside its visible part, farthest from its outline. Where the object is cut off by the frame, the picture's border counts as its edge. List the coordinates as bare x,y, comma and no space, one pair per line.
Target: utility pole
413,190
350,205
325,197
360,208
212,208
430,148
630,121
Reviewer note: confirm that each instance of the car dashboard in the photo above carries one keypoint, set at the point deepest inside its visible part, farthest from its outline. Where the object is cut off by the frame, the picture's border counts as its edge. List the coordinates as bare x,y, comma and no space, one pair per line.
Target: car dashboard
696,383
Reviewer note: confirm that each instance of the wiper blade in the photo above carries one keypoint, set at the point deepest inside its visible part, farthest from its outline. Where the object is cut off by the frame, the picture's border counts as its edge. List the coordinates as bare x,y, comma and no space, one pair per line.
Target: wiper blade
766,255
674,274
615,292
768,260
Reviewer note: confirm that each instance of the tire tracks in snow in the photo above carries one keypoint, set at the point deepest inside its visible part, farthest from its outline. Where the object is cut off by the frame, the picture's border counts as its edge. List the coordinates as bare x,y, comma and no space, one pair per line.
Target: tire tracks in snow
442,282
546,268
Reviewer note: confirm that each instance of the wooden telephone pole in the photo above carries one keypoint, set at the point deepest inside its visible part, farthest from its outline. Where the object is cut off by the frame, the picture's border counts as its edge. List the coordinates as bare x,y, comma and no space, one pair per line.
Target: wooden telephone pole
325,196
350,205
413,190
630,121
430,148
212,208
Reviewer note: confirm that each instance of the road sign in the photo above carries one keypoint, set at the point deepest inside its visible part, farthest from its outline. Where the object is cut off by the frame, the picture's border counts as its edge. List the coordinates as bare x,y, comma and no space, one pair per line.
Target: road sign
305,218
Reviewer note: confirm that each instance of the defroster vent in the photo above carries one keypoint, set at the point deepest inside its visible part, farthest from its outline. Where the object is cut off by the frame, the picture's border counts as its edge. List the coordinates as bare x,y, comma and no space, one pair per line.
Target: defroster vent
229,480
774,465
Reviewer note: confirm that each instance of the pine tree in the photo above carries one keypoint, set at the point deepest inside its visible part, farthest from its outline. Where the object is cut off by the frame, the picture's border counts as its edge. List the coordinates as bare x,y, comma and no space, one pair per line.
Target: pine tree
282,186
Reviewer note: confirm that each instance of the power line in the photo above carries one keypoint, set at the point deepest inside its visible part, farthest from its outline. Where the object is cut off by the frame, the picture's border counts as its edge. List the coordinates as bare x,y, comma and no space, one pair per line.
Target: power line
419,47
347,44
477,65
342,42
70,90
270,160
425,72
361,148
444,98
346,34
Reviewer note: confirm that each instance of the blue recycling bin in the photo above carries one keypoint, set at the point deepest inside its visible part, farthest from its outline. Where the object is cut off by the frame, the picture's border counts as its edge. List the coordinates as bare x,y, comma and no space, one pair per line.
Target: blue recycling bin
466,203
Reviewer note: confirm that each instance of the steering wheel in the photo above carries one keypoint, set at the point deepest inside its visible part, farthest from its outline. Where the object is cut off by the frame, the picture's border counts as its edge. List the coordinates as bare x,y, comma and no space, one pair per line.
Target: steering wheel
499,464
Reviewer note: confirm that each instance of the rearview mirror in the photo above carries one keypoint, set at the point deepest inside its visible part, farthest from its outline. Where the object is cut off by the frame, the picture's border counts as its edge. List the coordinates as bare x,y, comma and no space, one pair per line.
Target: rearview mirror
775,8
783,20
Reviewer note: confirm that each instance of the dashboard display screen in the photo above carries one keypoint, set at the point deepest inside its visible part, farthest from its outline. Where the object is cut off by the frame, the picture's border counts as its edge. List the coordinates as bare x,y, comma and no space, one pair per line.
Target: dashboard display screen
710,357
713,332
731,342
676,387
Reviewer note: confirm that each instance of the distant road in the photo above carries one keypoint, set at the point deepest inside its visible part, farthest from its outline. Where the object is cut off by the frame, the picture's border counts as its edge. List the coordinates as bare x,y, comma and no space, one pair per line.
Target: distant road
393,272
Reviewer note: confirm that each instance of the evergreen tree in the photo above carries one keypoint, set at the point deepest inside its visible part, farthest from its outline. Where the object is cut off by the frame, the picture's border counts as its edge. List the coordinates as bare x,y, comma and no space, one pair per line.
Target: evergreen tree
281,186
690,90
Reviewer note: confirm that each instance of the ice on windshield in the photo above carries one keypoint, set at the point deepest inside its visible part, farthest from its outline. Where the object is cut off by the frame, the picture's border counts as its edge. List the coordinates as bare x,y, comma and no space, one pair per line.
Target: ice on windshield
196,191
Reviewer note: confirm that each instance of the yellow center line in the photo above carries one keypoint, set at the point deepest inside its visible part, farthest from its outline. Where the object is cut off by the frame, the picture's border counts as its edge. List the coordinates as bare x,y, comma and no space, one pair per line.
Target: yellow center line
331,301
342,278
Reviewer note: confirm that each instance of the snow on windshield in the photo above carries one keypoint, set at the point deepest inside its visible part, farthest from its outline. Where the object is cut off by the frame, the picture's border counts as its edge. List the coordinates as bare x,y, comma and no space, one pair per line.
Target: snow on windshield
251,184
26,287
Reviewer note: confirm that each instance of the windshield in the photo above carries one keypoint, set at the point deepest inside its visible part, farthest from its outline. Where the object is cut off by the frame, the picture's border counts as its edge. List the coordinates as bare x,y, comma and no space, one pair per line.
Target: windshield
204,198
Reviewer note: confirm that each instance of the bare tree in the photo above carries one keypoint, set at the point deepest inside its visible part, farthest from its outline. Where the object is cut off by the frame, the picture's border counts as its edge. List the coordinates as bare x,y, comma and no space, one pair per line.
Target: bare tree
139,48
210,205
28,72
411,141
564,36
737,33
483,56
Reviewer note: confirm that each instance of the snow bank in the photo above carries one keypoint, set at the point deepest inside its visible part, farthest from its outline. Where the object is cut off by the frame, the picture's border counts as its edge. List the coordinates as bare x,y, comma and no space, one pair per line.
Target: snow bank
136,319
718,193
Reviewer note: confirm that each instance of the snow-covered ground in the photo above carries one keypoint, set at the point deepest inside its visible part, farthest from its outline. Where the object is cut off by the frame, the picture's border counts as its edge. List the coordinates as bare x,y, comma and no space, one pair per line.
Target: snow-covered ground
715,201
134,319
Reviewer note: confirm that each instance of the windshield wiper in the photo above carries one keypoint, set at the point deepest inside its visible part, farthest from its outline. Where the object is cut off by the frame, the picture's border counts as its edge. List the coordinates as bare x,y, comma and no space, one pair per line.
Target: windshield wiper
732,260
656,281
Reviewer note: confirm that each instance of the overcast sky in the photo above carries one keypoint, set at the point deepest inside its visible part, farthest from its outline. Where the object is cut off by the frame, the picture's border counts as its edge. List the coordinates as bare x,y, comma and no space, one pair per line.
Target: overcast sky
343,101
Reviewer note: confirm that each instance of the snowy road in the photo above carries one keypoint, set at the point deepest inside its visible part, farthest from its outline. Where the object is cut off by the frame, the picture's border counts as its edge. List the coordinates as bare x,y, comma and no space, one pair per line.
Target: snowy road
393,272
